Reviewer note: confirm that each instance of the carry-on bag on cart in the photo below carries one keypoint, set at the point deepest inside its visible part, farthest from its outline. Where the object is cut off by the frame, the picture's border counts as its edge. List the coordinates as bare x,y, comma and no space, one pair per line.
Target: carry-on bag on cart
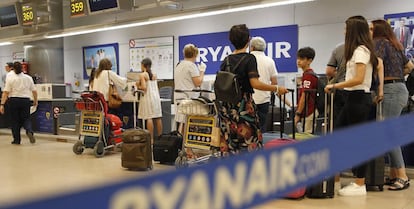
167,147
325,188
280,140
136,148
376,167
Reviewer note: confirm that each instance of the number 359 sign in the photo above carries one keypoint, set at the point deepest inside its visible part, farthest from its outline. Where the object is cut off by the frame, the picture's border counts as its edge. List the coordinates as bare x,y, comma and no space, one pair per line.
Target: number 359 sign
77,8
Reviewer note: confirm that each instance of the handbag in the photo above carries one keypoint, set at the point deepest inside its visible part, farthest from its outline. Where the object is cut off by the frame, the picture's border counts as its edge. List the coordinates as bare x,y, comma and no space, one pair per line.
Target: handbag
114,99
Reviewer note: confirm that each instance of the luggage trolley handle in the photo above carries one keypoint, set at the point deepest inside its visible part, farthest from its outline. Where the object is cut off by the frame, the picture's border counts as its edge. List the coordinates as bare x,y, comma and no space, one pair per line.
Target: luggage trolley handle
282,115
137,93
186,92
329,112
380,113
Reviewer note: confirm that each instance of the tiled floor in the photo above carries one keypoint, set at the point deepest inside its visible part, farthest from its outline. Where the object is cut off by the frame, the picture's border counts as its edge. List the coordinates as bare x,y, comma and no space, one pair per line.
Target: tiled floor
50,167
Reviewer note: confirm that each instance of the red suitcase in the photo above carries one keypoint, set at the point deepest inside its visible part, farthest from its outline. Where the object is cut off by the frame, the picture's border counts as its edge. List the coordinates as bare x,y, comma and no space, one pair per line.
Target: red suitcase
281,141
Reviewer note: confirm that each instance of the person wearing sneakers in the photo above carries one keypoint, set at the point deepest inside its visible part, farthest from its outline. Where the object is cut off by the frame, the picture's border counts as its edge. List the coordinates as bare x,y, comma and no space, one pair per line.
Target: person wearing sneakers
361,63
17,92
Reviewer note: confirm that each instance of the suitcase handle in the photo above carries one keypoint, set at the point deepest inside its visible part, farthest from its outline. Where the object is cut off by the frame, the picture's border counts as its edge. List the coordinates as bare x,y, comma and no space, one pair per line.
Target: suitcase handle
282,115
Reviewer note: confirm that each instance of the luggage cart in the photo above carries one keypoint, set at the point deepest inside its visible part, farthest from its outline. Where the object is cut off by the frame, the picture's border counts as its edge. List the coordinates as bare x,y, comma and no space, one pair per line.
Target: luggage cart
97,130
200,129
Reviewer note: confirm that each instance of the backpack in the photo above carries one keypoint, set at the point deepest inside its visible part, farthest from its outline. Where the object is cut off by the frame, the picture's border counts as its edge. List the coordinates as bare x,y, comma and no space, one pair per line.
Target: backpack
320,93
227,86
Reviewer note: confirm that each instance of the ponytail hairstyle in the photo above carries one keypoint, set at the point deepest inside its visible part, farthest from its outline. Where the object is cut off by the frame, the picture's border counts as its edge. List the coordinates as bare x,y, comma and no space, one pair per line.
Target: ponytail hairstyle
147,63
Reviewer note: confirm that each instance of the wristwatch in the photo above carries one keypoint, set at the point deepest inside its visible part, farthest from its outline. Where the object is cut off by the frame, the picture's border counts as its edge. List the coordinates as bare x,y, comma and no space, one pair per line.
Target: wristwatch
298,113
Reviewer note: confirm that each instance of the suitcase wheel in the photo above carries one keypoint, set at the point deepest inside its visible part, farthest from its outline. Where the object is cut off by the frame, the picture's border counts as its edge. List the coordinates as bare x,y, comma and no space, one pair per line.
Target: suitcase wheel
181,161
99,149
78,148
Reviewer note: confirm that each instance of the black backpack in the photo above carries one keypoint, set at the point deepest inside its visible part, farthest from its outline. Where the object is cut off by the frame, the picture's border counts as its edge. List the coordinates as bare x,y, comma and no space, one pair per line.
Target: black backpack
227,86
320,93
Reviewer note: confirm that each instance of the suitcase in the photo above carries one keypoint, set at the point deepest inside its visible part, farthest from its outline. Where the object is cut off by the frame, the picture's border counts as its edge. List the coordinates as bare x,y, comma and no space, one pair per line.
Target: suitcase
376,167
325,188
136,149
281,140
167,147
301,135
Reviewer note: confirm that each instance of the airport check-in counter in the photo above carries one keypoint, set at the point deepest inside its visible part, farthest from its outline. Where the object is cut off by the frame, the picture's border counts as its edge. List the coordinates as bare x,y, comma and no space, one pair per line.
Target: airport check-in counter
56,109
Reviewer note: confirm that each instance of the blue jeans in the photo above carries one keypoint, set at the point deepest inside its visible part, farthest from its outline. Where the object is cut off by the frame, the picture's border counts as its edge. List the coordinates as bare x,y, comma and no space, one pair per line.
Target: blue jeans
395,98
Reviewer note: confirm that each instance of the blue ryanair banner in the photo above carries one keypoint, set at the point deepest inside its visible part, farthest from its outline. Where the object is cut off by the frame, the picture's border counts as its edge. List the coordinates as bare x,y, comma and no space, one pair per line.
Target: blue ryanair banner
282,45
245,180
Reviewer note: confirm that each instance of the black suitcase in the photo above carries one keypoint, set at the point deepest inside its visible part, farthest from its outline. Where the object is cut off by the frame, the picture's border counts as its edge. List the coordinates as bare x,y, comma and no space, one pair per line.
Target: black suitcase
325,188
136,149
167,147
374,179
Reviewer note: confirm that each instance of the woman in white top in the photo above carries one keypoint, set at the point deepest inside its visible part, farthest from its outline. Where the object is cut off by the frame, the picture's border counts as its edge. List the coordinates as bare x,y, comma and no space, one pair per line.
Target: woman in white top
17,92
104,75
150,103
361,61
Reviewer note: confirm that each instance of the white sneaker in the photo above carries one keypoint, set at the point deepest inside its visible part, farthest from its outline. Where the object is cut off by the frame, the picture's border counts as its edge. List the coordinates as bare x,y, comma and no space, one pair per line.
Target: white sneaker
353,189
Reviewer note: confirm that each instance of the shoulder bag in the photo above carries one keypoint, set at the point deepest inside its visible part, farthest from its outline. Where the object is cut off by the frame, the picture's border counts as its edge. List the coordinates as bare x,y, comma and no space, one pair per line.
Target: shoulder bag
114,99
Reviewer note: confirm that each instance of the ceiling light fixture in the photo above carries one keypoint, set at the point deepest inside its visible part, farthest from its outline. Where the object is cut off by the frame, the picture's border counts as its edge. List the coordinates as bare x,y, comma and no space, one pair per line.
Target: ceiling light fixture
165,19
6,43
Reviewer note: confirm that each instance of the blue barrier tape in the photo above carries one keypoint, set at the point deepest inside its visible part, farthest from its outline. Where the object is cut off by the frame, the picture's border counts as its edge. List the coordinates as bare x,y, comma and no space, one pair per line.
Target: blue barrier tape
245,180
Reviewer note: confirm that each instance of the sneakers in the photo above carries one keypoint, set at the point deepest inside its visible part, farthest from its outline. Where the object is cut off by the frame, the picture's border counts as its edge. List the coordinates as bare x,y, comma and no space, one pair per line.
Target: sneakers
31,137
353,189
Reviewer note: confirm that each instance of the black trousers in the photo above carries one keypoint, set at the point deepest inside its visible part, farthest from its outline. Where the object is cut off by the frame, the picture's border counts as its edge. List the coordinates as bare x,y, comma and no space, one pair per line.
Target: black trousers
356,111
262,111
19,112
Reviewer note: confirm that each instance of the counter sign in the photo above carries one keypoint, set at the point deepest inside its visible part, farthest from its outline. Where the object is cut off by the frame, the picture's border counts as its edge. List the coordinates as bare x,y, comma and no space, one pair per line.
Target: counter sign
77,8
28,14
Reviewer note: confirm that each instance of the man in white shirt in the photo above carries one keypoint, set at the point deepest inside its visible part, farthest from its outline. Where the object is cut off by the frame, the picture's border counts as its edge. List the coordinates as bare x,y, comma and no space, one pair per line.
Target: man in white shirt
267,72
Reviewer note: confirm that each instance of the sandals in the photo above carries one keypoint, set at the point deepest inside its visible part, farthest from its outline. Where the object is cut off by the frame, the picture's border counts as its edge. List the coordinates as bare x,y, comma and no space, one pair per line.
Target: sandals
400,184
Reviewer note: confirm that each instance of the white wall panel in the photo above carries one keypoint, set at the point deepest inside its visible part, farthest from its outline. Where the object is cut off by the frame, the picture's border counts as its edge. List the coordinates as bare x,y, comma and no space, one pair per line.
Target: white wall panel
321,26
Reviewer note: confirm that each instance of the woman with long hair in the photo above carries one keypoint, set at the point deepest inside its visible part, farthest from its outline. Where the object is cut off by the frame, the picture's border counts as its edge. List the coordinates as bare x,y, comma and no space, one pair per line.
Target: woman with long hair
396,65
150,103
104,76
361,63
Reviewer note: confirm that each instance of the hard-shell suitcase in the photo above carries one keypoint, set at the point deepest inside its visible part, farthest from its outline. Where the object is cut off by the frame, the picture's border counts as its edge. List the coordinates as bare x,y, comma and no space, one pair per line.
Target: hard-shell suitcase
325,188
136,149
167,147
281,140
376,167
